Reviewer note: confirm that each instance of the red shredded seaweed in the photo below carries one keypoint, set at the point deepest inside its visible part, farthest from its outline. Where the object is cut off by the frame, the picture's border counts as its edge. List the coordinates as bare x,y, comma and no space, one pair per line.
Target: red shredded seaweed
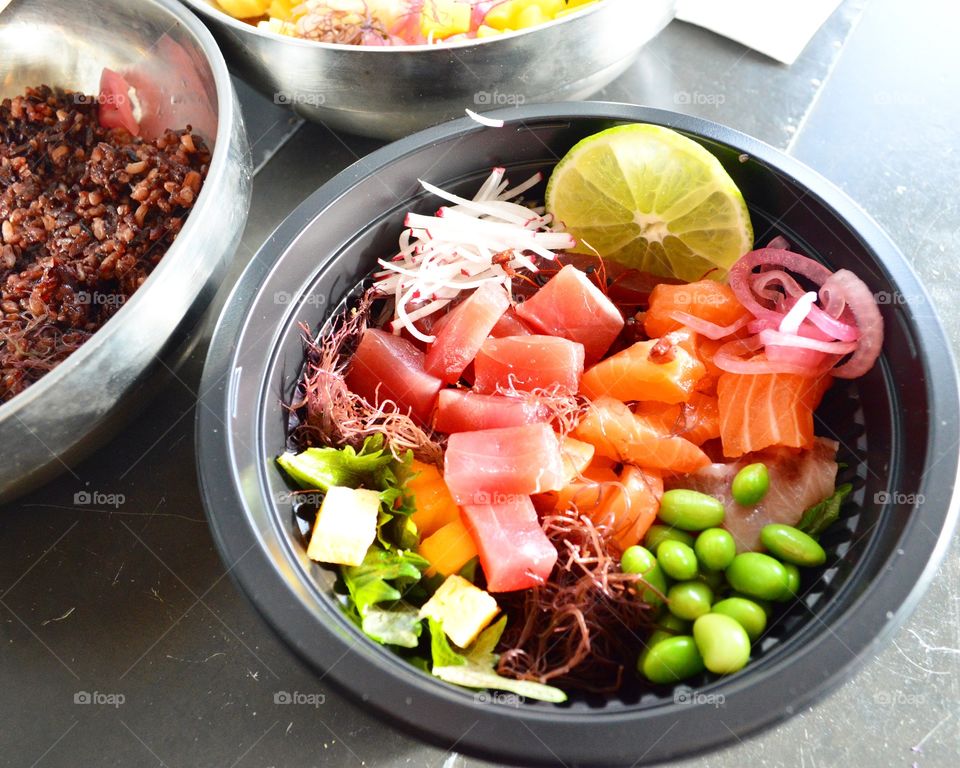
582,627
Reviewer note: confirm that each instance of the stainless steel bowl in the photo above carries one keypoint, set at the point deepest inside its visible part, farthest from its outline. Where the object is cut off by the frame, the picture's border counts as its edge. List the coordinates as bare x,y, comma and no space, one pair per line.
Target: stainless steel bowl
390,92
181,78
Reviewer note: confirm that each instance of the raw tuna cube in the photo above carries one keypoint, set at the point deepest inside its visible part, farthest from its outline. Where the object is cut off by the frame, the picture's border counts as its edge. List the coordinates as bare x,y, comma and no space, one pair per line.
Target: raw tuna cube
514,551
492,465
463,331
459,410
510,324
394,365
528,362
571,306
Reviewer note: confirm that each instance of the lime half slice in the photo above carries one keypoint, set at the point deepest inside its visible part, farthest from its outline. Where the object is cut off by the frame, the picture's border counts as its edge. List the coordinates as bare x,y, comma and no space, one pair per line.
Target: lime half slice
652,199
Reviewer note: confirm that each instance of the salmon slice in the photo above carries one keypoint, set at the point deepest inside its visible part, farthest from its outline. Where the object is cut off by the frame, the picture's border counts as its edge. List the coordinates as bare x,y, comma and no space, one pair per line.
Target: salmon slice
587,491
658,369
798,480
577,456
618,434
706,299
463,330
571,306
632,506
528,362
697,420
764,409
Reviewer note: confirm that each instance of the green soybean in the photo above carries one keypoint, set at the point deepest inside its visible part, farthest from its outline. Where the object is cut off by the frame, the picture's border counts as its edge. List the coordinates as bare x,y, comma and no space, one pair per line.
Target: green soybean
689,599
792,588
792,545
722,642
750,485
715,549
713,579
636,559
757,575
747,613
671,660
764,604
657,534
690,510
639,560
657,582
677,560
674,626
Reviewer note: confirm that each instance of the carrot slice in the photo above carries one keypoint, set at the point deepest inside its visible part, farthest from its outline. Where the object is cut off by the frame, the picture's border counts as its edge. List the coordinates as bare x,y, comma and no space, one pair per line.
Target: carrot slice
764,409
449,548
434,506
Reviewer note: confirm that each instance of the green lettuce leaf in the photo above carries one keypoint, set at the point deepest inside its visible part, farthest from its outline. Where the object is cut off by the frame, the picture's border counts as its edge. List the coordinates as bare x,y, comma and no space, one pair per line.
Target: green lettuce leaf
398,625
322,468
821,516
476,666
374,468
367,583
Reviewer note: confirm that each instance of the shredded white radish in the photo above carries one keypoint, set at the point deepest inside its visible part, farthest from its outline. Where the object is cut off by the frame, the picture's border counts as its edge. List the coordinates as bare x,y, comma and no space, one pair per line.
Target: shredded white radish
798,313
466,244
488,121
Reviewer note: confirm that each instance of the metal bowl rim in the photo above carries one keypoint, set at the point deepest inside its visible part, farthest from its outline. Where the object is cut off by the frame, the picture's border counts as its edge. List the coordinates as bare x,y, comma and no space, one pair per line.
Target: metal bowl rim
221,16
227,116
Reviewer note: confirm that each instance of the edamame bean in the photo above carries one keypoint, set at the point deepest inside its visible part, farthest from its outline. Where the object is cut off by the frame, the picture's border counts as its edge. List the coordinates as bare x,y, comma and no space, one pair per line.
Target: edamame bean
670,623
713,579
690,510
636,559
671,660
657,534
792,588
757,575
746,613
722,642
792,545
677,560
715,549
689,599
765,604
750,485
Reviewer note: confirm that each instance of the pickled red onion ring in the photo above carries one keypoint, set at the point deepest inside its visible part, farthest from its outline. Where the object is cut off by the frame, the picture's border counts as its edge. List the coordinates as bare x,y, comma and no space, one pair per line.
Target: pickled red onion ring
705,327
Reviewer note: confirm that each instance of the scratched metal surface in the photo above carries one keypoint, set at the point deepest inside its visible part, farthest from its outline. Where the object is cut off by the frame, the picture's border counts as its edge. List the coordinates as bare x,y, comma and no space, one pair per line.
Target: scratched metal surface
126,601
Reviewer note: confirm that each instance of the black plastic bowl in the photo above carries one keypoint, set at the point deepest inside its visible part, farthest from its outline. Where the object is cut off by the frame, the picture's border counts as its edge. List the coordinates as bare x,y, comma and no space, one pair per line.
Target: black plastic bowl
898,426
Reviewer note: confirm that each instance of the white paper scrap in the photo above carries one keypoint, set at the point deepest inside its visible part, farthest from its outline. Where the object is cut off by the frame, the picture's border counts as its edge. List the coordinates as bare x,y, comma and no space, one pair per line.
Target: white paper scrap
779,29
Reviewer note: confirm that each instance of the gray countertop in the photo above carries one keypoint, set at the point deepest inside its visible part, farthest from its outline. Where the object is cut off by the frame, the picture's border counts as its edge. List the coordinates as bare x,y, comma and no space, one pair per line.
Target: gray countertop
127,605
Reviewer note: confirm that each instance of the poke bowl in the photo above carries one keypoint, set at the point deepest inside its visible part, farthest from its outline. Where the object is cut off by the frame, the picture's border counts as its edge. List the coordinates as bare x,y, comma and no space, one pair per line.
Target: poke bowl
895,427
390,91
137,337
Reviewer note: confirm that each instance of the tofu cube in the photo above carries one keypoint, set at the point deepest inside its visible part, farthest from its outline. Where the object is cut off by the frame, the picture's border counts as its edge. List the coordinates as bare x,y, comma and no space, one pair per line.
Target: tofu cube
463,609
345,527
